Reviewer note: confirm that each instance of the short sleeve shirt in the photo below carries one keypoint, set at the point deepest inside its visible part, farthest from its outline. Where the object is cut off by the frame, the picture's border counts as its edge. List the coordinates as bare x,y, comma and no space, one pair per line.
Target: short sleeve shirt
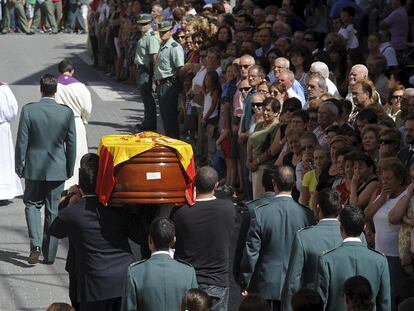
147,45
170,58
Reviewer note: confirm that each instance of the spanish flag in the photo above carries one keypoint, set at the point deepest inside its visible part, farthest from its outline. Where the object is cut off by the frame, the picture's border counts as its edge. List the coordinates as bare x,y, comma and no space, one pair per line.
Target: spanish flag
116,149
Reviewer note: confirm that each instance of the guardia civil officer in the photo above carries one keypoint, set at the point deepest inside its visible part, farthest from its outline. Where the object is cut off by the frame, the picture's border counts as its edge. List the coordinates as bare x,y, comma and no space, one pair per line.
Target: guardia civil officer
169,61
145,56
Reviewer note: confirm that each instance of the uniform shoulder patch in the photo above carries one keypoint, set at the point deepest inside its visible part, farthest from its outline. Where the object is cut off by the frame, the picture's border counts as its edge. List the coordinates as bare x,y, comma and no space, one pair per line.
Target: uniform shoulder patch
184,262
378,252
328,251
306,228
174,44
137,262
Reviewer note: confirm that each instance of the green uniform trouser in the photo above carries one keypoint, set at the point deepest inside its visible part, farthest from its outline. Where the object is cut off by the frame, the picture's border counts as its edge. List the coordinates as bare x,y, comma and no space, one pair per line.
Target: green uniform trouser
36,194
19,9
168,92
144,83
47,9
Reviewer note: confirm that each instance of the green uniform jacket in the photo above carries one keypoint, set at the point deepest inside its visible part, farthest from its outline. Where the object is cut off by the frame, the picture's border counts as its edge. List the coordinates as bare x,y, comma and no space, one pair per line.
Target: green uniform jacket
46,141
350,259
308,246
147,45
157,284
264,199
169,59
268,244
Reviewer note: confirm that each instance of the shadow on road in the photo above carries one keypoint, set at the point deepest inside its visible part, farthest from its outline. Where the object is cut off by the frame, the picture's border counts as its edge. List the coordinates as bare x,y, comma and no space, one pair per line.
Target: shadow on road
14,258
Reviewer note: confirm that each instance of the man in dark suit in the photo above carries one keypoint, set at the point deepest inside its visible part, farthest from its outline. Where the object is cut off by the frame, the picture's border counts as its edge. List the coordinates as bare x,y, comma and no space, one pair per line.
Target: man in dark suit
270,237
310,243
349,259
99,239
160,282
45,157
406,155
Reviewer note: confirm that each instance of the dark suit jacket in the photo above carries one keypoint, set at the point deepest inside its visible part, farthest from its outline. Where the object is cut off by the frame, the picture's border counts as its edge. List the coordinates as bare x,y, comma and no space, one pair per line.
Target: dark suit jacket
99,236
46,141
307,247
350,259
268,245
157,284
403,155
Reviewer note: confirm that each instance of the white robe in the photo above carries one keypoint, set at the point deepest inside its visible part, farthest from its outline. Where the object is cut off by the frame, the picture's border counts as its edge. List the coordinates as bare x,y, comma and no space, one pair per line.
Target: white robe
75,95
10,184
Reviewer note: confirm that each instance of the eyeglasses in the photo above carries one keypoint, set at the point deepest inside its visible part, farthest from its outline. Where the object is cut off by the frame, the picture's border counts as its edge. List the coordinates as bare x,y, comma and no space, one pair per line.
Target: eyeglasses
396,97
180,37
198,42
386,141
274,93
245,66
307,147
264,91
258,104
245,89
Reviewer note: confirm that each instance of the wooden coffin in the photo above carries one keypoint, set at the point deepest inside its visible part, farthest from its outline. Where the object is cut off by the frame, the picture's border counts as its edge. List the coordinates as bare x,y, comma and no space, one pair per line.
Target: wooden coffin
152,177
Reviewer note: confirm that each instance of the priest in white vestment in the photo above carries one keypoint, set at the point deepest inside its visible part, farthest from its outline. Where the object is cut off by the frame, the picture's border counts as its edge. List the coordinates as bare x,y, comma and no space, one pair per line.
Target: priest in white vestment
75,95
10,184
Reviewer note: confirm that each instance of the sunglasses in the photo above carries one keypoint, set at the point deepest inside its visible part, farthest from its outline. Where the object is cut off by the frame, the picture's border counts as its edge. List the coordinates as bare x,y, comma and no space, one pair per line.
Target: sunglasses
180,37
244,89
274,92
396,97
386,141
245,66
258,104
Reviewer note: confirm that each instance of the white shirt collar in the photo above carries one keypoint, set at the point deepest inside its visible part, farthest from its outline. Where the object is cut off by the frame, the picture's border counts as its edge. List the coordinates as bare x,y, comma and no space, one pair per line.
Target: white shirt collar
206,199
328,219
352,239
283,195
169,253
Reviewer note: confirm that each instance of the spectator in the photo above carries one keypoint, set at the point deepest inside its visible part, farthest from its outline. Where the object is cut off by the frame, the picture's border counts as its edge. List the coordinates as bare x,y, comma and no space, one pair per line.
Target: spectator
254,303
323,70
358,294
349,259
370,141
406,154
393,185
386,48
393,104
195,300
307,299
377,65
266,252
204,236
397,23
327,114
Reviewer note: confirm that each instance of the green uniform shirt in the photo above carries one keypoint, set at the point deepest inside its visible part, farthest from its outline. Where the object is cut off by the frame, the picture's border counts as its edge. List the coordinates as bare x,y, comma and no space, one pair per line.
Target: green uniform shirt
147,45
170,58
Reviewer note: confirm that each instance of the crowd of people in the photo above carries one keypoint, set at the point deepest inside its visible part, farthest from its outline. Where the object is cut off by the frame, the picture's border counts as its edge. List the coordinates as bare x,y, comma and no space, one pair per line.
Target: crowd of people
302,113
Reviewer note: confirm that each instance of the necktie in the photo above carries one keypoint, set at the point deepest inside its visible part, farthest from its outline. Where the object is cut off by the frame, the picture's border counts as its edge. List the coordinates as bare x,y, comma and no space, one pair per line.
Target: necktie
409,157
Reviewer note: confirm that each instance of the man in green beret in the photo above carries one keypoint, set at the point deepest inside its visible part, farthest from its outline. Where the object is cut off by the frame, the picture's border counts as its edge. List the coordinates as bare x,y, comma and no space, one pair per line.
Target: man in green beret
145,56
169,61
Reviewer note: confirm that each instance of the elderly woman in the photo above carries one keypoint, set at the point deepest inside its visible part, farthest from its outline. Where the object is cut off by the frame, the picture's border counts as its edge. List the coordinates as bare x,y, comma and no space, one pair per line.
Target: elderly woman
393,185
403,213
259,143
370,140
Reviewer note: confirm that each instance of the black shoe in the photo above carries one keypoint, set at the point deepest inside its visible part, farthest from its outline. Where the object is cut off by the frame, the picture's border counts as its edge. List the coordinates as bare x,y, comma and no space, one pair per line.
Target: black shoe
46,262
34,255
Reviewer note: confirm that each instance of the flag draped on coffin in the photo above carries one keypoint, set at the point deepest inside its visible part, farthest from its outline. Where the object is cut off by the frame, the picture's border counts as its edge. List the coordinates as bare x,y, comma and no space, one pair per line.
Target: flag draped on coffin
116,149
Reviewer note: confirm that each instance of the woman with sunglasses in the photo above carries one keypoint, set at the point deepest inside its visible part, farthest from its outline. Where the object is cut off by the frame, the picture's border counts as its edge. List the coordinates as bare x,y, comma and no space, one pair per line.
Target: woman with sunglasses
389,142
393,105
259,142
278,91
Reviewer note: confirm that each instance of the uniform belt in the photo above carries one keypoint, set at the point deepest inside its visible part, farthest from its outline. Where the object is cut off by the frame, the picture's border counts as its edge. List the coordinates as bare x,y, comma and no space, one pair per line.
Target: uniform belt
169,79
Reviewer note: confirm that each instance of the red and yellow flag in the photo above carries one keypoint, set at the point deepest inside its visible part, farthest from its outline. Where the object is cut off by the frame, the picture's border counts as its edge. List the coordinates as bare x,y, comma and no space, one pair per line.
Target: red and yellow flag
116,149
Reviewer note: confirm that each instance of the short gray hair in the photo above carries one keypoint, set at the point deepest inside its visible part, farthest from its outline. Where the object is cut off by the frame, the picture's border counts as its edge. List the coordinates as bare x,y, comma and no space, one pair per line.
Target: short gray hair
363,68
321,68
321,81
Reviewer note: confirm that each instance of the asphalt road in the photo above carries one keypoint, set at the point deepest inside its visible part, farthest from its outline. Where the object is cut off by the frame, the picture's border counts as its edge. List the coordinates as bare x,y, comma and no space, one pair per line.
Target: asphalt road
116,109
